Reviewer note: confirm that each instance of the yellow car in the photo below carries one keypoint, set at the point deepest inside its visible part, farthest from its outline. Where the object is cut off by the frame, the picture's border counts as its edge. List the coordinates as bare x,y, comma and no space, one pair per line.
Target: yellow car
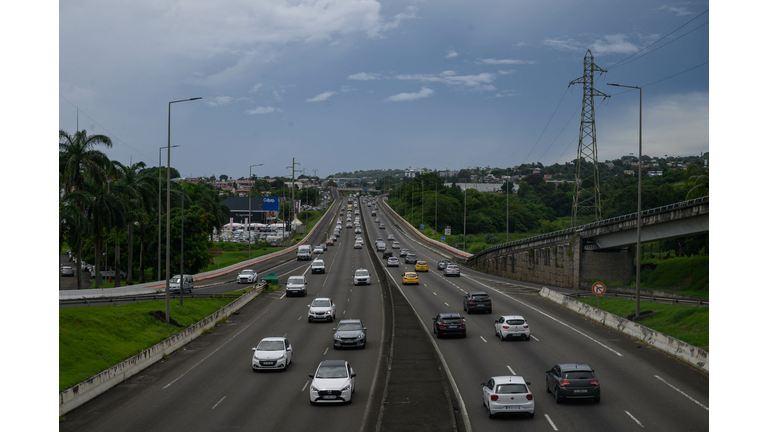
410,278
421,266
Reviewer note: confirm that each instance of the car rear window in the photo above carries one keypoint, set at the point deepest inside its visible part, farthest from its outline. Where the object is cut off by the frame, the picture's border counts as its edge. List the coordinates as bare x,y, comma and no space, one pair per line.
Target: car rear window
516,322
452,320
579,375
511,388
480,297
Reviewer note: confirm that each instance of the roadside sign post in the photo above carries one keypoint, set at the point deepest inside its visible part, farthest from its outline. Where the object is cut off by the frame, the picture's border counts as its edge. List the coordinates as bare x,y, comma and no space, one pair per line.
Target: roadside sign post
598,289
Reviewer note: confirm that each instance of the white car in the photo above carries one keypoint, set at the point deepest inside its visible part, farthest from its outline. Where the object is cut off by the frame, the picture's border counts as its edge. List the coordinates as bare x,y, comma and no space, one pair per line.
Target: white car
247,276
318,250
318,266
507,395
509,326
362,276
332,382
296,285
395,245
322,308
272,353
391,237
358,245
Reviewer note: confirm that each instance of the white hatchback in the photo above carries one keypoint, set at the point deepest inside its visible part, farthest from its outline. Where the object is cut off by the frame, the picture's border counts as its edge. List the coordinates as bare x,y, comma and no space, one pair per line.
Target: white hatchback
509,326
507,395
272,353
332,382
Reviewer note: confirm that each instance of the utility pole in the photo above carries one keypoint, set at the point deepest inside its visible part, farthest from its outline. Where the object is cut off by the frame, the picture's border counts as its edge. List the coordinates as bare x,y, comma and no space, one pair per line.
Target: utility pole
586,188
293,186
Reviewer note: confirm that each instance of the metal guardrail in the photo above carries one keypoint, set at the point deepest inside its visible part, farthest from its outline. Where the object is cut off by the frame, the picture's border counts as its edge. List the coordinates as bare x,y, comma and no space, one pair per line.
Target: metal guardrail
137,298
647,299
596,224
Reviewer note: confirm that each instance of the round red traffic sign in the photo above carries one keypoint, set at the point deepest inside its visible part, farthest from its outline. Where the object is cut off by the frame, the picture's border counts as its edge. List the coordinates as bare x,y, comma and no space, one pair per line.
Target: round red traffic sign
598,288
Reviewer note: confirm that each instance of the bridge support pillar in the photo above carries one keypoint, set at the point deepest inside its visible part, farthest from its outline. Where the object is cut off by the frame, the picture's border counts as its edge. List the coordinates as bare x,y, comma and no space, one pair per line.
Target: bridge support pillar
613,266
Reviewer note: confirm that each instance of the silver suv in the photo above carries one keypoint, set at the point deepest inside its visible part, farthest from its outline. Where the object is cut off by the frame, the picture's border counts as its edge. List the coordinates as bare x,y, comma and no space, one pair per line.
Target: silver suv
296,285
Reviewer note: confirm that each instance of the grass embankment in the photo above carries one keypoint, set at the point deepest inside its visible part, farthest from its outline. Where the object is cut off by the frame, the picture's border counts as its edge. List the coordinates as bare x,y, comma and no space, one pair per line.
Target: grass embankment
690,324
92,339
684,275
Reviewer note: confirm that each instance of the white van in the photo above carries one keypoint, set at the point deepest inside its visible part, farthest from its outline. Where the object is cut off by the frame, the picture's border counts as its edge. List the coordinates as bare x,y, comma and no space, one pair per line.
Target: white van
304,252
189,283
296,286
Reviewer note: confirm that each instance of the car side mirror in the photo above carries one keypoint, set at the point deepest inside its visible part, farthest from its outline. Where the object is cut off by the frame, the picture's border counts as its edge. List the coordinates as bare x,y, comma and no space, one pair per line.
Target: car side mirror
312,376
253,349
289,349
365,328
334,329
527,383
482,384
353,375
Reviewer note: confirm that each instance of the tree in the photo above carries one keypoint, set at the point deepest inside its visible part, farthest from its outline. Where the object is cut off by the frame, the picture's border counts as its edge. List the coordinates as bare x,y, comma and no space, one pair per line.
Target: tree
698,181
79,161
137,192
223,177
72,227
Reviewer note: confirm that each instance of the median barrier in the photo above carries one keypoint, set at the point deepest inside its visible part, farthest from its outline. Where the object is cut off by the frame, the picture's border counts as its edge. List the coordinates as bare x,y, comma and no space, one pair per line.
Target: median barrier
675,347
95,385
451,249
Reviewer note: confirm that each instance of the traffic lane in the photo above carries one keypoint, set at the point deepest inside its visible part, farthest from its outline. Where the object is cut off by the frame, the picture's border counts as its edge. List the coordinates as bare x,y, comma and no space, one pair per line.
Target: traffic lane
484,324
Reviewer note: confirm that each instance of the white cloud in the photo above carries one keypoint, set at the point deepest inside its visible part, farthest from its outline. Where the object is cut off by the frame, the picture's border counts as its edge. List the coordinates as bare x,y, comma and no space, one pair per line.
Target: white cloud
219,101
678,11
613,44
506,72
451,54
346,89
362,76
504,61
424,92
322,96
256,88
263,110
479,82
564,44
410,13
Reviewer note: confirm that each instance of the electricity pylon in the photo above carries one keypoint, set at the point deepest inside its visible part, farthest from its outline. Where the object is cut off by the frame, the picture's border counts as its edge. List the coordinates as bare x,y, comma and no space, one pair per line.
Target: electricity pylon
586,189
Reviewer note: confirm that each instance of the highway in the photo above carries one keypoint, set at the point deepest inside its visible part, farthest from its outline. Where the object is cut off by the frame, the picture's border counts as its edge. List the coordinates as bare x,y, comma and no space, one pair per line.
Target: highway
209,385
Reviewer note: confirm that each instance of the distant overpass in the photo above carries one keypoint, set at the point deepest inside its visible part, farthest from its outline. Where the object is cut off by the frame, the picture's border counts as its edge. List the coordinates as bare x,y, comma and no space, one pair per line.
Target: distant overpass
599,250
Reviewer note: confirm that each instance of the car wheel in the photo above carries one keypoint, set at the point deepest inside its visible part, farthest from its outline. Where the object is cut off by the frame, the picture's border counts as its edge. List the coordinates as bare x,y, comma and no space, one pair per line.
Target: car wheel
335,347
309,319
530,415
528,337
597,399
490,414
558,399
490,310
255,370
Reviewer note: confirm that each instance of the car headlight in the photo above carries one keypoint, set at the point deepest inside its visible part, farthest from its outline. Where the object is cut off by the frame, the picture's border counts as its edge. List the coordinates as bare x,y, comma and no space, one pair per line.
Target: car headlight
255,357
328,312
281,356
361,335
346,387
336,336
313,388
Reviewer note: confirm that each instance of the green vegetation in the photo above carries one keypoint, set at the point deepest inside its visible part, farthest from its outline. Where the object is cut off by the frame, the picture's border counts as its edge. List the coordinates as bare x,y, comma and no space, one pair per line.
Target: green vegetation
690,324
688,276
92,339
233,253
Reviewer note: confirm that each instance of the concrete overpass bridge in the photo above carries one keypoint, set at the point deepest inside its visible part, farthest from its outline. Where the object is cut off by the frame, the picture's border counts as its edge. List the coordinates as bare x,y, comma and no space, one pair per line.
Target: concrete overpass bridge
604,249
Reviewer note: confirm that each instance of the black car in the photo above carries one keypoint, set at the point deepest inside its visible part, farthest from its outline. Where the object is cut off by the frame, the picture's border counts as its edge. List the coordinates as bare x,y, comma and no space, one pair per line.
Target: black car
442,264
410,258
449,323
573,380
350,333
477,301
387,254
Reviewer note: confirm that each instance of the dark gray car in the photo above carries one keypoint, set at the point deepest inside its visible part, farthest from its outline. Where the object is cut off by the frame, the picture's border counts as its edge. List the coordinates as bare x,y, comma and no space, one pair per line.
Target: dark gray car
573,380
442,264
350,333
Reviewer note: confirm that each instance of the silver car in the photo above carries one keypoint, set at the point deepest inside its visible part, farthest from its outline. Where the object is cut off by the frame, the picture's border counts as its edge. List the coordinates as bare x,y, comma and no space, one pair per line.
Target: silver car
362,276
349,334
247,276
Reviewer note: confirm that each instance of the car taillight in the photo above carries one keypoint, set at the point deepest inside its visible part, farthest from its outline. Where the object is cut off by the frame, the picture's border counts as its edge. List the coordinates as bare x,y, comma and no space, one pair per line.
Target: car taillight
494,397
525,326
506,327
595,383
563,383
529,396
441,324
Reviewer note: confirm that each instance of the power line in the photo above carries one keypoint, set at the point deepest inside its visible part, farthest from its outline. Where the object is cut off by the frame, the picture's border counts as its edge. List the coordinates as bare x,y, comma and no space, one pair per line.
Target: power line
97,124
660,39
545,126
649,52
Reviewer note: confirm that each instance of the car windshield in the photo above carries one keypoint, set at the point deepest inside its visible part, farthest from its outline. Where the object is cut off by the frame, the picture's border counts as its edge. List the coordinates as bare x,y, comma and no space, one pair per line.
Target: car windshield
516,322
246,272
270,346
579,375
511,388
361,273
175,280
317,263
331,372
321,303
295,280
349,326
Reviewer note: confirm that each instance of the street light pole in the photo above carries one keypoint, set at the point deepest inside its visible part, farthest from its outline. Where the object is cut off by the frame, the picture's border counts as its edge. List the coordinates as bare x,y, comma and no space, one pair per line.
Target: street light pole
508,205
159,209
639,200
168,219
250,219
465,217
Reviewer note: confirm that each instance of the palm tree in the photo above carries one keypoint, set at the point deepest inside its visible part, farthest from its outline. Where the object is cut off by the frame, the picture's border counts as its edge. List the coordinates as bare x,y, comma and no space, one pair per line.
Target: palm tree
137,193
78,160
699,179
72,226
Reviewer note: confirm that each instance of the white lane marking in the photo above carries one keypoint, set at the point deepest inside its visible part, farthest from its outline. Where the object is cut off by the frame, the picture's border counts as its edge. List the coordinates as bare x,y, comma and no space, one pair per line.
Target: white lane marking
551,423
633,418
305,385
483,339
345,311
434,293
285,335
326,351
682,393
300,318
510,369
281,297
217,403
554,319
447,304
214,351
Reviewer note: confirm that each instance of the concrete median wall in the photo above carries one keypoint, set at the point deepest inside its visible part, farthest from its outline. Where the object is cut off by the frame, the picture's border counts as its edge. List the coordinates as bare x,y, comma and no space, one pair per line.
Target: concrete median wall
675,347
95,385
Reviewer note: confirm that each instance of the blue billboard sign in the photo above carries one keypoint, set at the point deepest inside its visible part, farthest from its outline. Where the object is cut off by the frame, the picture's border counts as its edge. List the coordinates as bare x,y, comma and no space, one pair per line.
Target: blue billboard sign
271,203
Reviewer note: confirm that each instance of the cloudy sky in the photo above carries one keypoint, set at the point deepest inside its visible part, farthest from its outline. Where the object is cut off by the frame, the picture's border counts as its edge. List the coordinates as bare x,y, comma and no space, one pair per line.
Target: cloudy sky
343,85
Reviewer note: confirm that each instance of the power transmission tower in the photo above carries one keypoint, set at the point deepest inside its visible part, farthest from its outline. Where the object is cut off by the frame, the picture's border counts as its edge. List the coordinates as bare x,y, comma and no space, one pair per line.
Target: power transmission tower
586,189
